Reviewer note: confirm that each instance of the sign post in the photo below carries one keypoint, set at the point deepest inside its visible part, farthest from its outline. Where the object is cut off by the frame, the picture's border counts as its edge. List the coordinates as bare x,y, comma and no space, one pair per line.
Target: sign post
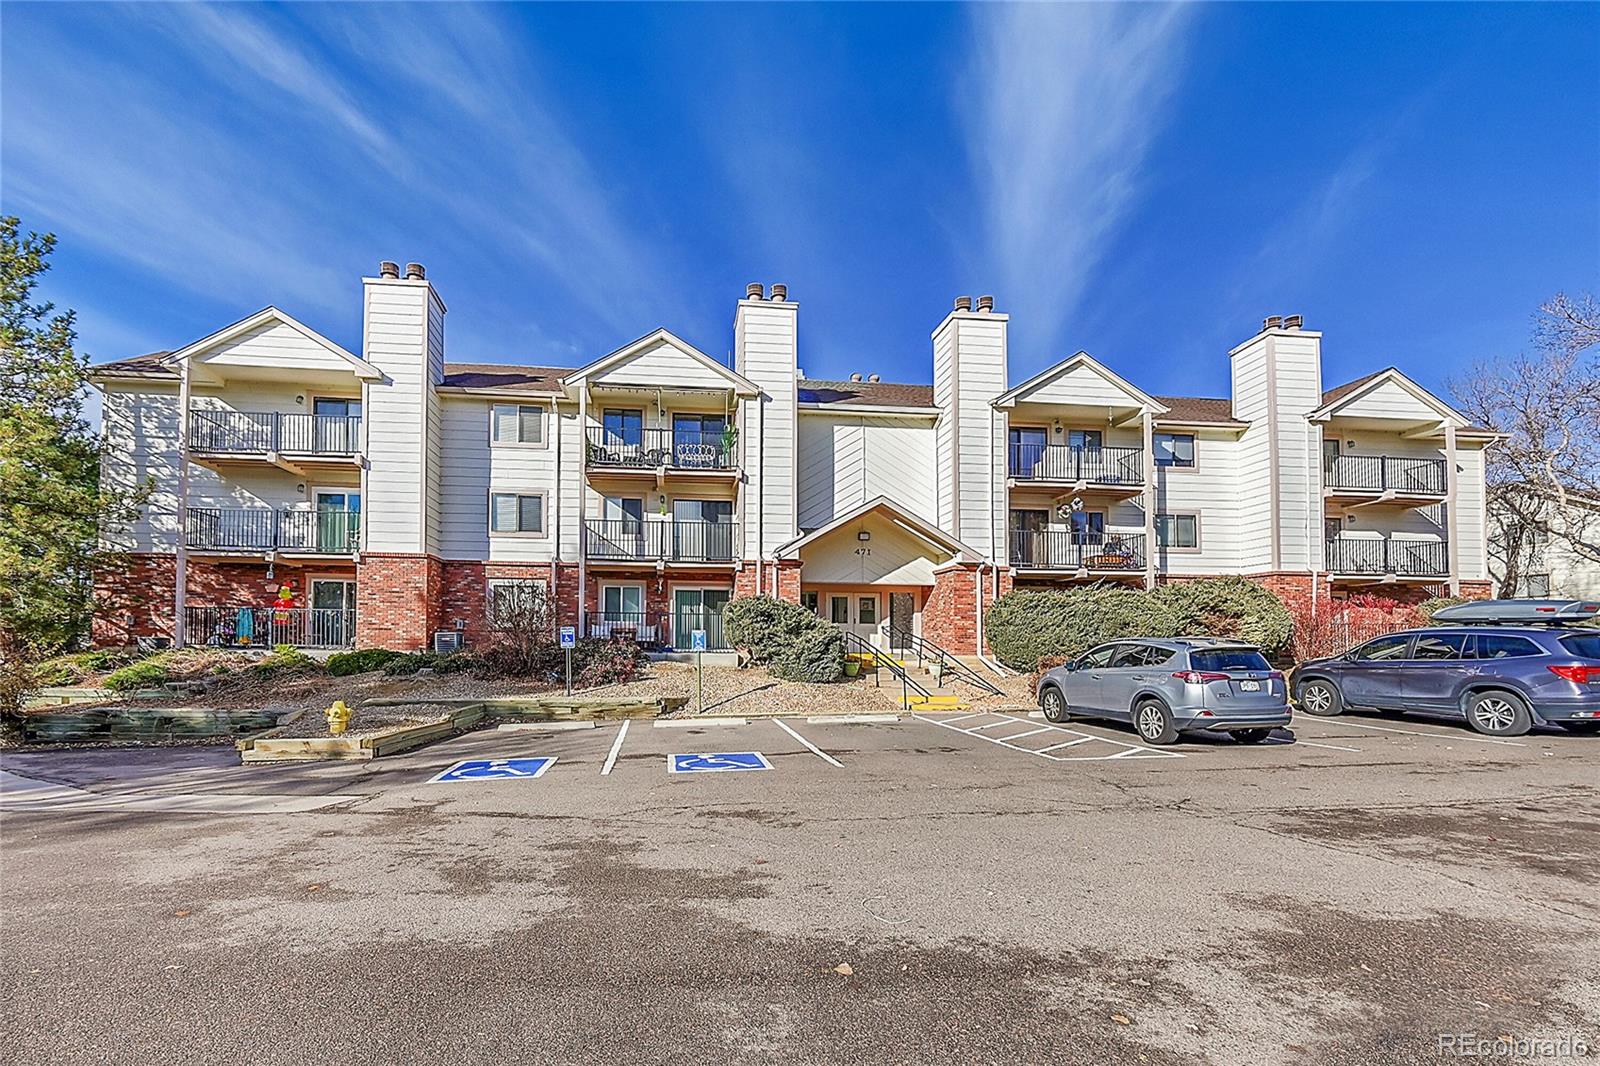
569,640
697,644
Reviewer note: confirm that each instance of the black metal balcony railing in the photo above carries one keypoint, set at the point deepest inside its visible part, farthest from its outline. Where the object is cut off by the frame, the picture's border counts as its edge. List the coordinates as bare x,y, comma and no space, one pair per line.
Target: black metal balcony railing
265,529
664,539
258,432
1062,549
1385,555
657,629
1380,473
674,449
1062,462
263,627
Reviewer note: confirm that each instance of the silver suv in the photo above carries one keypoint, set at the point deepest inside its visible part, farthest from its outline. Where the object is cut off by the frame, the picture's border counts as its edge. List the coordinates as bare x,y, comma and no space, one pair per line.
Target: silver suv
1168,686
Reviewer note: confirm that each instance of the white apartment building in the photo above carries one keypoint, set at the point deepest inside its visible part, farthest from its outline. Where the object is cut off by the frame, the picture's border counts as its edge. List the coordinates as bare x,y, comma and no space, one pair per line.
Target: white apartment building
311,495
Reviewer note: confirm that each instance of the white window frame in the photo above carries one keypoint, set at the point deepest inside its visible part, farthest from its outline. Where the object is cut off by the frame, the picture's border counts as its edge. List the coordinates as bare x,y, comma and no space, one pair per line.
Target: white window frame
1198,539
1194,447
607,587
544,514
539,586
543,423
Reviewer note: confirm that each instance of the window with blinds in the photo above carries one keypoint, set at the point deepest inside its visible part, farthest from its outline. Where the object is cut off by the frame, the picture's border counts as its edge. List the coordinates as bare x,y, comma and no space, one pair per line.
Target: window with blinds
1178,530
517,423
511,512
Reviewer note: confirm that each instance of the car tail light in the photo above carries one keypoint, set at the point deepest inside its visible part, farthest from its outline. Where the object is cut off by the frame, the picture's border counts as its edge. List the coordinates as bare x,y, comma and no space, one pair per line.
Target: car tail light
1581,675
1198,677
1276,675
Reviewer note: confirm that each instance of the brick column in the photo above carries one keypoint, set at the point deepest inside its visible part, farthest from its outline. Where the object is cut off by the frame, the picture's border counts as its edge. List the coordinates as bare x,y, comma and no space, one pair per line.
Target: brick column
948,616
398,601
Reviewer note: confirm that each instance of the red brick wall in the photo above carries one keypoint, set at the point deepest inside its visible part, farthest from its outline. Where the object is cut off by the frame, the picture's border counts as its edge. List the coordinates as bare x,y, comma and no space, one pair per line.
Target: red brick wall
744,579
947,614
133,598
398,601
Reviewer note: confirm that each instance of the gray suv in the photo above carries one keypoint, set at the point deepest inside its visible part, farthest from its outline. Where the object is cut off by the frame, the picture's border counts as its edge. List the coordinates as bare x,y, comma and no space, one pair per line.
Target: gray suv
1502,678
1168,686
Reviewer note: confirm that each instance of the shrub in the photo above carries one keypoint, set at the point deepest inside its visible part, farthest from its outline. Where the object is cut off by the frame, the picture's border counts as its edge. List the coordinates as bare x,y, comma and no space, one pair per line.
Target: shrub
345,663
285,659
815,656
147,673
522,640
1023,626
62,670
1332,627
766,627
404,664
1230,607
1434,603
605,662
1047,663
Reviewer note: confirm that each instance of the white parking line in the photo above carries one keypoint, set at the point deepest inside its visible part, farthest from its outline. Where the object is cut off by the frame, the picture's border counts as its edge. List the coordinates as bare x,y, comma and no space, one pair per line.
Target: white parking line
1129,751
1358,724
1311,744
1068,744
1029,733
616,748
818,752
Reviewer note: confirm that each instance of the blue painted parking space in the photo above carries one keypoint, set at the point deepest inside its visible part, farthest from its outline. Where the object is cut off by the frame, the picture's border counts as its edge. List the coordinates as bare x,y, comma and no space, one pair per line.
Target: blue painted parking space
495,770
717,762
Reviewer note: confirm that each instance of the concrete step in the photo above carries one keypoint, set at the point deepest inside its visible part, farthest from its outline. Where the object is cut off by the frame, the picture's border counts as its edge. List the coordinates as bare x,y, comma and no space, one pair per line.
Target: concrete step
938,701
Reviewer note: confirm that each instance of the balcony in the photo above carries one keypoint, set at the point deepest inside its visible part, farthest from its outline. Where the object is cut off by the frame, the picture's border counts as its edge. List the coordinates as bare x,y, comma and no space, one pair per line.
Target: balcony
1063,549
653,451
659,541
656,629
262,529
271,437
1387,559
1115,469
264,627
1363,480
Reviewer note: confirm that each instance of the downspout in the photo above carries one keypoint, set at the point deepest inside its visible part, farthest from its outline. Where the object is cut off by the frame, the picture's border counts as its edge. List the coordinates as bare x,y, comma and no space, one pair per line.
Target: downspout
555,555
761,487
977,609
996,513
180,584
583,496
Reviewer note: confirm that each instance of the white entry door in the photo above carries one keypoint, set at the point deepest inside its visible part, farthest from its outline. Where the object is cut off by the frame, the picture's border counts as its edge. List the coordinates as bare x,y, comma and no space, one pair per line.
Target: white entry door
857,612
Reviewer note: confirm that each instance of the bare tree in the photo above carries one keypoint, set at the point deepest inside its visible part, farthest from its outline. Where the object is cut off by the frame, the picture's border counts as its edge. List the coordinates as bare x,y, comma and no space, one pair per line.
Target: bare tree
1544,477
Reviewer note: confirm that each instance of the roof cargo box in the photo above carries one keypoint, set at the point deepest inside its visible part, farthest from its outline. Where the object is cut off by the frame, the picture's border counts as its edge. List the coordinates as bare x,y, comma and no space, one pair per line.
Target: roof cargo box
1517,612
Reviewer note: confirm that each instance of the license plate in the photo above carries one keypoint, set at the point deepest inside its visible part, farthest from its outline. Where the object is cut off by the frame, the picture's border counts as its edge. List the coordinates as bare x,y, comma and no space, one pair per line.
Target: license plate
1250,686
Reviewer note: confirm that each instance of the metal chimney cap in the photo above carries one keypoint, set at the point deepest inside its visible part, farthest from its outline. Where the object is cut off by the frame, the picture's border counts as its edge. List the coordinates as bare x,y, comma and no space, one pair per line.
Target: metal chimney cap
386,269
874,378
1293,321
963,303
855,377
753,291
1272,322
986,304
780,292
415,272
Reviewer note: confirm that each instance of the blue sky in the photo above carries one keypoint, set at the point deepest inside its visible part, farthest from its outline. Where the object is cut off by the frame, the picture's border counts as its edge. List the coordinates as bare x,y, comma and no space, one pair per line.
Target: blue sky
1141,182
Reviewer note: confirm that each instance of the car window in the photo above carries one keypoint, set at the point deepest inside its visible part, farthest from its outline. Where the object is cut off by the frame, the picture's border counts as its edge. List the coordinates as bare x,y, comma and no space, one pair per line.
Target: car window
1390,647
1501,646
1441,646
1098,657
1229,659
1131,655
1583,645
1154,656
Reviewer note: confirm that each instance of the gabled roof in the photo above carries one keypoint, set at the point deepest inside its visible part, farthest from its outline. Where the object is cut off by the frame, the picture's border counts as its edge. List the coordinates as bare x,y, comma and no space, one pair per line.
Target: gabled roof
362,368
150,365
1139,397
738,382
1341,395
1192,410
883,504
864,393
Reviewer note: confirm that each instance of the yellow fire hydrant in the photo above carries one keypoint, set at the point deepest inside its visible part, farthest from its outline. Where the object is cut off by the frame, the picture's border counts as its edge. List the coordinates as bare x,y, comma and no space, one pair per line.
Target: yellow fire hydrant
338,717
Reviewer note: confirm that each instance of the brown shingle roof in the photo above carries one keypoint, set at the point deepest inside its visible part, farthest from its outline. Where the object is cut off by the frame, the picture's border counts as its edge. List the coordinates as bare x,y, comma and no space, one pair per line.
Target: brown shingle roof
1198,409
865,393
1340,391
144,366
504,376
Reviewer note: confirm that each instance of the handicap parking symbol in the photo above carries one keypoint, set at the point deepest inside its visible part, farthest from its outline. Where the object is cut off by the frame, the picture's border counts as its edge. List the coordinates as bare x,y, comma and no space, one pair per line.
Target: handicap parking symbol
495,769
717,762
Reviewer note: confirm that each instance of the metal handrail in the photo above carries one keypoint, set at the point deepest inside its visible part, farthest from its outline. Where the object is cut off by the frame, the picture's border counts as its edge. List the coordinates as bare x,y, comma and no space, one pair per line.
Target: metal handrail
1382,473
670,539
1386,555
855,643
1069,549
1105,465
272,529
261,432
676,448
944,660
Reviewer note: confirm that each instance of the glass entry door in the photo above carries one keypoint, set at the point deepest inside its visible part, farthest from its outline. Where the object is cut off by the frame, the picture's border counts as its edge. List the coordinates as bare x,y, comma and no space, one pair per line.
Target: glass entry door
338,520
694,609
333,613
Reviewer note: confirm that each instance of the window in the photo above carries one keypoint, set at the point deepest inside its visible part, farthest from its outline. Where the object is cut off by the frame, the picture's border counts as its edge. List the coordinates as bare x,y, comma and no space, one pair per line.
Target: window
1027,448
623,426
517,423
510,512
1500,646
335,407
1088,527
1174,449
1537,585
1441,646
1178,530
1131,655
1084,439
808,600
1583,646
628,510
1229,659
622,603
512,599
839,609
1098,657
1384,648
867,610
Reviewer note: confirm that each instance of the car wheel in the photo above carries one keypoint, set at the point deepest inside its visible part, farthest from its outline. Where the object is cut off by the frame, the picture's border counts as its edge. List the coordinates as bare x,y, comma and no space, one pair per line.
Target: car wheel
1581,727
1054,705
1250,736
1498,713
1321,697
1153,722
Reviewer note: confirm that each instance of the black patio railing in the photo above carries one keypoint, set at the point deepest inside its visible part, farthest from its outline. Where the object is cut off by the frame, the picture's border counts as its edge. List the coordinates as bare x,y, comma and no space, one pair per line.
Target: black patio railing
266,529
1385,555
657,629
264,627
648,449
259,432
668,540
1380,473
1062,549
1062,462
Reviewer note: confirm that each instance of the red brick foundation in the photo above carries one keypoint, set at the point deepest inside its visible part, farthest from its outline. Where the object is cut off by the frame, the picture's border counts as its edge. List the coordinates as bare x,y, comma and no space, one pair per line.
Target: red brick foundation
398,601
788,580
949,616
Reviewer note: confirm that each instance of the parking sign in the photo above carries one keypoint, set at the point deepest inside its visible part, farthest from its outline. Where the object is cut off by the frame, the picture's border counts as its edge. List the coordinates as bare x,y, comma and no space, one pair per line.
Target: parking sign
569,636
697,640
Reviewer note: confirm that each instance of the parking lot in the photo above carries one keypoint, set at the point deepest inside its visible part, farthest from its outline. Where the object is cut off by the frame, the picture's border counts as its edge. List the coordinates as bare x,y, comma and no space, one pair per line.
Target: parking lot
952,886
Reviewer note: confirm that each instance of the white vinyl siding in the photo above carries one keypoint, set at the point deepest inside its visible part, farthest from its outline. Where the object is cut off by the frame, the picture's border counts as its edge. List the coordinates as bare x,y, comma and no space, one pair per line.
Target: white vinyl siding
846,460
397,416
765,340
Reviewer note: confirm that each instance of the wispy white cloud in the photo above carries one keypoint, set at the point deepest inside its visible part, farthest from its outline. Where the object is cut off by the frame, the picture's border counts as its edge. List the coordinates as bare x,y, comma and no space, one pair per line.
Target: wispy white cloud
1059,108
